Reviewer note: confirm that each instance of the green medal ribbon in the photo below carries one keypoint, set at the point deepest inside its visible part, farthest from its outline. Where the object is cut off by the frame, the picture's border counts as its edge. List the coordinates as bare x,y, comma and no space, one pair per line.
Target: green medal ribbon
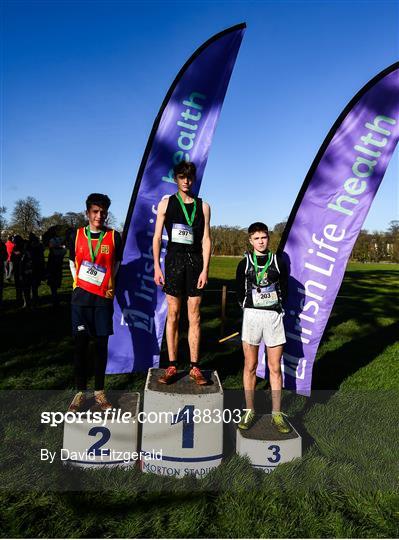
263,272
94,253
188,219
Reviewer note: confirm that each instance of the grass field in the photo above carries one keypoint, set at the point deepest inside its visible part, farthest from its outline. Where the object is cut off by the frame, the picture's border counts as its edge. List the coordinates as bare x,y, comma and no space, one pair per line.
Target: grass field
345,485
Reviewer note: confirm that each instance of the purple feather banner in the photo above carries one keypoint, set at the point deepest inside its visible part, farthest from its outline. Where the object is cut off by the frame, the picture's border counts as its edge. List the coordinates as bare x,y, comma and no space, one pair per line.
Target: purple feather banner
328,215
183,130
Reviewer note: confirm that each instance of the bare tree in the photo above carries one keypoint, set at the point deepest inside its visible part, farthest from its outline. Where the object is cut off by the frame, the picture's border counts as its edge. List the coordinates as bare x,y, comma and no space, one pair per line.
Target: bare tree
111,220
228,240
55,219
279,227
363,247
394,228
3,221
25,217
75,219
393,240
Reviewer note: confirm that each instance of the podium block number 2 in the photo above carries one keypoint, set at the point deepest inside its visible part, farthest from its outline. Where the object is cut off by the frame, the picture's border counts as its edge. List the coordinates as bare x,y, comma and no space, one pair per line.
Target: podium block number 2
106,434
276,456
186,416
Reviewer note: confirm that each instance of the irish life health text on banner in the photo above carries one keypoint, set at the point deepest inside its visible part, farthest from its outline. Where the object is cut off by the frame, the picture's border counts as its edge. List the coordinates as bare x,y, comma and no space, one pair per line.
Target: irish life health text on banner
328,215
183,130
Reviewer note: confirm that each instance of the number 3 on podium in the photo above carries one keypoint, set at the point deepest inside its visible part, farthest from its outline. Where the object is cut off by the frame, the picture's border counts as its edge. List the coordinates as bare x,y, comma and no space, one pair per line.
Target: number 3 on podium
276,453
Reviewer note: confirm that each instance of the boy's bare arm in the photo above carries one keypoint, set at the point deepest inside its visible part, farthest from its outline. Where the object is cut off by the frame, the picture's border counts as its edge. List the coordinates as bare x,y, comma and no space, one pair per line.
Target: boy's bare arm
156,242
206,247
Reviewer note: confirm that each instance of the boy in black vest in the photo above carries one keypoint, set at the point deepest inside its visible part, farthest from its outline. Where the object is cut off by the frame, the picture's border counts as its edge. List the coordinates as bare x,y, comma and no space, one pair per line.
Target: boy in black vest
261,281
186,219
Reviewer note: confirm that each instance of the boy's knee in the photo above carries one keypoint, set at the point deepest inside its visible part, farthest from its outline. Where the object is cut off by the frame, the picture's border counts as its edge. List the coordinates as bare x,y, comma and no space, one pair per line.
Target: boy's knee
173,315
194,317
250,368
274,369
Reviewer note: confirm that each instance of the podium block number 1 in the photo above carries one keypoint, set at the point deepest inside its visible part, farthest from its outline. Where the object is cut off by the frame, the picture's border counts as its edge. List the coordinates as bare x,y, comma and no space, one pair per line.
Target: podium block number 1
186,416
106,435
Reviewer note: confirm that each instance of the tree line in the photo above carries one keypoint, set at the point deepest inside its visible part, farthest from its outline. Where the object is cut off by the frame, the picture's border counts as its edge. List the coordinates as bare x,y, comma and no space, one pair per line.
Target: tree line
26,217
374,246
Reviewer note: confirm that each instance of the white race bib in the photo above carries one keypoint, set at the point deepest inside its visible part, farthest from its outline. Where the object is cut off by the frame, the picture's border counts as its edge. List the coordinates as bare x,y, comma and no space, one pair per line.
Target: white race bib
183,234
92,273
265,296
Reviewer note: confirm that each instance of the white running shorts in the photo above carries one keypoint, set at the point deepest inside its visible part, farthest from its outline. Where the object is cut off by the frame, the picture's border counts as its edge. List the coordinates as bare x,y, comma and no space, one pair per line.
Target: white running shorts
263,324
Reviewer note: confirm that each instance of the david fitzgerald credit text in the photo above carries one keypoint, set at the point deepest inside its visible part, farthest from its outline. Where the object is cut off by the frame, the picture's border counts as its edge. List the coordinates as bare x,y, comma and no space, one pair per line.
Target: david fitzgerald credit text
103,454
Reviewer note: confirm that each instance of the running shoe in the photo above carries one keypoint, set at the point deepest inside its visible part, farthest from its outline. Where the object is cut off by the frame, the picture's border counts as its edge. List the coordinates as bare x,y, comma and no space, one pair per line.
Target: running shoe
280,423
101,400
77,402
169,375
196,375
247,419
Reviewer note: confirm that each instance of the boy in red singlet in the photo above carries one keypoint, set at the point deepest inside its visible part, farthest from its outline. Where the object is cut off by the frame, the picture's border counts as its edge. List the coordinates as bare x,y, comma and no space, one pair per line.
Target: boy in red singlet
95,253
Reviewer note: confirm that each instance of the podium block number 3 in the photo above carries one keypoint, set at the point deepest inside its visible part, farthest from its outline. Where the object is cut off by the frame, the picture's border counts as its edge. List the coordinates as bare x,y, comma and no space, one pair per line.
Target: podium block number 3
105,436
186,416
276,456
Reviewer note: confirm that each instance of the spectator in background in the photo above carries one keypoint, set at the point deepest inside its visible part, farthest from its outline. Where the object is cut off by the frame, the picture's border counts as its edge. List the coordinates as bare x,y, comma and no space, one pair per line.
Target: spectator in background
15,260
36,253
3,260
55,260
26,274
9,246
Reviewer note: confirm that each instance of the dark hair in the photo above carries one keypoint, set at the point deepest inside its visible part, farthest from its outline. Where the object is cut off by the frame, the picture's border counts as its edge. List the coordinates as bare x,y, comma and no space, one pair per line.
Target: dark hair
258,226
98,199
33,237
19,241
187,168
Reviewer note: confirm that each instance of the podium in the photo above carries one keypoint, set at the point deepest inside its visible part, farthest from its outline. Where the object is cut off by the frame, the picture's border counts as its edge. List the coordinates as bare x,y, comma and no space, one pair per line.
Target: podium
266,447
180,422
111,442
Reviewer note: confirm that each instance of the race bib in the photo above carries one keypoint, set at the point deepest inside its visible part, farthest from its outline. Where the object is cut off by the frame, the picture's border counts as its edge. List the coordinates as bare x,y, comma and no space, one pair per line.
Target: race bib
182,234
265,296
92,273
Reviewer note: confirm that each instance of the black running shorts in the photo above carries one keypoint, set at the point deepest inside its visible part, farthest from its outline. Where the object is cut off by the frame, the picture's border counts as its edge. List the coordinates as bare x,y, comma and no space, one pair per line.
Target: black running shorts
182,271
92,320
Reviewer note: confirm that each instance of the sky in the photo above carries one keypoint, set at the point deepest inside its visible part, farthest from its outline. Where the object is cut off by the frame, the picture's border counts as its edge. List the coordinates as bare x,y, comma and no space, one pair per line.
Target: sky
82,82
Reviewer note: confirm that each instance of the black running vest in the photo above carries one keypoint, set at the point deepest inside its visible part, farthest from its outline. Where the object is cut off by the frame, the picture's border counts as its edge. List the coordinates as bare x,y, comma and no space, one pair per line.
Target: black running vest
269,282
174,214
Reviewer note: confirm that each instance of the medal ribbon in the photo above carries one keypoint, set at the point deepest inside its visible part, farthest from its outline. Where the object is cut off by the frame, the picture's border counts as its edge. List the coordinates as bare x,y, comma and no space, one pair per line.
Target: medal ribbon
94,253
264,270
188,219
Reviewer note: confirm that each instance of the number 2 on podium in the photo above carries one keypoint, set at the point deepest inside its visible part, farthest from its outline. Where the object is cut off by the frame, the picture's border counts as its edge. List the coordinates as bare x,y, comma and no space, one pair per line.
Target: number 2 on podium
106,434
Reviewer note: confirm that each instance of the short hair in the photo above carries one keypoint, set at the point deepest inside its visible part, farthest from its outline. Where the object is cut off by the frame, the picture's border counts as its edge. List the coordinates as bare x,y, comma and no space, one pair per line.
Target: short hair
187,168
98,199
258,226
